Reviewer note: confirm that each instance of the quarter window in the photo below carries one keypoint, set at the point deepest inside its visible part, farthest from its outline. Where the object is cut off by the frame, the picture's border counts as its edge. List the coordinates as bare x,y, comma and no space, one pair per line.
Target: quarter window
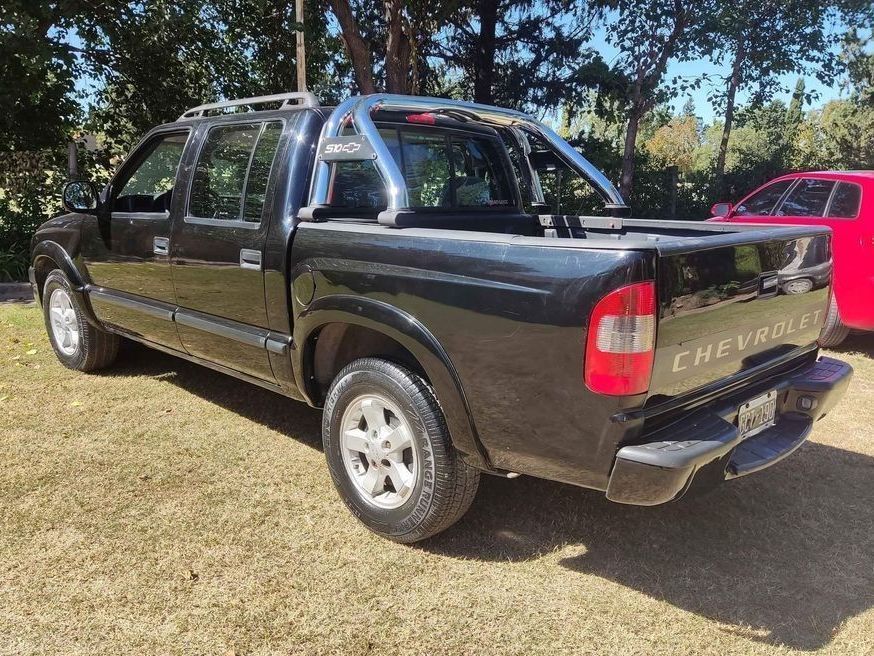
808,198
762,202
845,202
230,180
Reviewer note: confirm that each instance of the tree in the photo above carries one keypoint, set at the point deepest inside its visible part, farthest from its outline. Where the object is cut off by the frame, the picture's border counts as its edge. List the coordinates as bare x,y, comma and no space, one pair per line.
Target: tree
522,54
37,75
384,47
675,143
648,35
761,41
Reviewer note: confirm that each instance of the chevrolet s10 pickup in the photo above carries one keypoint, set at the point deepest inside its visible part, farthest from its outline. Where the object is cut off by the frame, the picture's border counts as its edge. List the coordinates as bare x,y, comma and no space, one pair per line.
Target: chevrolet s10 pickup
404,263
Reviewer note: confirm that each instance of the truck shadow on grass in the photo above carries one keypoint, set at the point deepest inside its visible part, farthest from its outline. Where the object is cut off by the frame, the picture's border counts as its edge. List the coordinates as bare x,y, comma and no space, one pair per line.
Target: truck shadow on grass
785,556
862,343
291,418
782,557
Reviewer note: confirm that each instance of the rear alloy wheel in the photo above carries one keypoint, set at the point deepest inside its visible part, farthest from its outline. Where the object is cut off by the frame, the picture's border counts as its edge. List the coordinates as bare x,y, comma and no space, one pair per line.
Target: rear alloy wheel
390,454
78,344
379,453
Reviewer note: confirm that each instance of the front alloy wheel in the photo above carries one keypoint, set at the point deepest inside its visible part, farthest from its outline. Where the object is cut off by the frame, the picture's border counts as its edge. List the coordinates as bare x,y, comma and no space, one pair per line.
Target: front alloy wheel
77,343
64,325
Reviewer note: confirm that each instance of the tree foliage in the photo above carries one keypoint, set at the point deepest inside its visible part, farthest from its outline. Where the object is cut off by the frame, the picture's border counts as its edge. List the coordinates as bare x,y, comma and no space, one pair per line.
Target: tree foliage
106,72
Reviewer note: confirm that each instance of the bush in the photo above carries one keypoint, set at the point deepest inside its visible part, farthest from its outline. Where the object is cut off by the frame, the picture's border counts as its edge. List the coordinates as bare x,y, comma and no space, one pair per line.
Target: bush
29,195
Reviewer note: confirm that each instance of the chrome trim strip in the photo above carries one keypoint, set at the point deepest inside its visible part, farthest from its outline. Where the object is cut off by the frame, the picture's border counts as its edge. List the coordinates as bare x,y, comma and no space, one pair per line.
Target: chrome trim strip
151,308
249,336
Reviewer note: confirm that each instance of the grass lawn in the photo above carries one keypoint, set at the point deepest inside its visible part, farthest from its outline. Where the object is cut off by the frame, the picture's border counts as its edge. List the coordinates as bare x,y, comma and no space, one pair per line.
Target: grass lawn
162,508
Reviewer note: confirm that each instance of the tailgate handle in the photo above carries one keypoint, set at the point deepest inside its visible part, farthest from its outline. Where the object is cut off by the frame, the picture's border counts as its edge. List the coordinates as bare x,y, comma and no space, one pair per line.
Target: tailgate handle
768,284
250,259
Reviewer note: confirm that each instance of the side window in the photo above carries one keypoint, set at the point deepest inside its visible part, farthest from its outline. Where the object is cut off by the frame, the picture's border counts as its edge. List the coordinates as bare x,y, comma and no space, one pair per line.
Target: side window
808,198
230,179
761,203
845,202
148,186
259,171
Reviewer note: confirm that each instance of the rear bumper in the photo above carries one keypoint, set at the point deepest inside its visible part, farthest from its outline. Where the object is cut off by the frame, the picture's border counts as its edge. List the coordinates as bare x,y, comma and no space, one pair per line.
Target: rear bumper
705,446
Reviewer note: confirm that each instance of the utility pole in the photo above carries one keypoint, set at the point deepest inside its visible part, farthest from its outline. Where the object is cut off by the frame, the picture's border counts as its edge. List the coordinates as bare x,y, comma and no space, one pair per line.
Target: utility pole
301,51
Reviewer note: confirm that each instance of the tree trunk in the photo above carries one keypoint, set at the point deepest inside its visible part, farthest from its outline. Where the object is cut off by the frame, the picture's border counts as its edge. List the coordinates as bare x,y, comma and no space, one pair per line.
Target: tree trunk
626,182
356,46
733,84
397,49
484,65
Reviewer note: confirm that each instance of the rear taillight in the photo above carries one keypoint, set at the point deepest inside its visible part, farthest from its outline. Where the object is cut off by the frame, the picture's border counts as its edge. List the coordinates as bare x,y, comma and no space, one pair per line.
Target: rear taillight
621,341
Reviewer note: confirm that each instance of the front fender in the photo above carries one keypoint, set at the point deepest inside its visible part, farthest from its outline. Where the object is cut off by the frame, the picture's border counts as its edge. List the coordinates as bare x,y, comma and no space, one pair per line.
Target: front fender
405,329
48,254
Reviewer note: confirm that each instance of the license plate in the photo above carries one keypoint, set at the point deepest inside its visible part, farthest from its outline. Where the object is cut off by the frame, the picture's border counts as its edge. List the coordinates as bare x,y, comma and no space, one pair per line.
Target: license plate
758,414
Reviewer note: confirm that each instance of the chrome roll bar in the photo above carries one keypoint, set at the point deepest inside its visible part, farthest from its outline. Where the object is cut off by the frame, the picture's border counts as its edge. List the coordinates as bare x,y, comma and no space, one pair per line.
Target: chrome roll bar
358,110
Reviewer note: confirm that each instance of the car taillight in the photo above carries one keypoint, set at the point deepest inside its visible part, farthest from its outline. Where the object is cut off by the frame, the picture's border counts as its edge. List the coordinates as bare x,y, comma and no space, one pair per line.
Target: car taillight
621,341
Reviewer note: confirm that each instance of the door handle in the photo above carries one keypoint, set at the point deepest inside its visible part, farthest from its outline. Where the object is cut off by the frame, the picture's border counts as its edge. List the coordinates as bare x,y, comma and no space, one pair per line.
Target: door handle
250,259
161,245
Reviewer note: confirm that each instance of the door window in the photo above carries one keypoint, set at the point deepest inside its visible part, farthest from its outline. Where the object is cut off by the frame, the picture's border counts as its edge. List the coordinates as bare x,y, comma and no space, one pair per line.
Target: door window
148,185
762,202
230,179
845,202
808,198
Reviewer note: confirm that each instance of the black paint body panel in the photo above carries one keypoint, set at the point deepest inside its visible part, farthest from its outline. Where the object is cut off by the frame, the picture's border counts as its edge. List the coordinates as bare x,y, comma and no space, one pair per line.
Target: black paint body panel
496,320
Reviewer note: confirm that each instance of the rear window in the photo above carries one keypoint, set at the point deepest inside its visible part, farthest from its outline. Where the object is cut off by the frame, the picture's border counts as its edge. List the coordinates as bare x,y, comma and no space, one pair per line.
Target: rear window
808,198
441,170
845,202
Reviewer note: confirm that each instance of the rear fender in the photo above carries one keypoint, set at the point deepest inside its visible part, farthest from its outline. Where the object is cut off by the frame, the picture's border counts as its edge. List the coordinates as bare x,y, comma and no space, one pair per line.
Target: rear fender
409,333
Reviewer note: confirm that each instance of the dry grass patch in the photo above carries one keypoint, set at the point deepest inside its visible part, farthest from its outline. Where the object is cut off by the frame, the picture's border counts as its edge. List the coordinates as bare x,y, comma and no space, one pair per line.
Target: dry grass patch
163,508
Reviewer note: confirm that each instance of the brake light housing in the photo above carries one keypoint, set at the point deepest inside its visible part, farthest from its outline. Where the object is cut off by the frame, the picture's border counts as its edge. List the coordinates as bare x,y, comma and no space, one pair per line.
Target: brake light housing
422,119
620,344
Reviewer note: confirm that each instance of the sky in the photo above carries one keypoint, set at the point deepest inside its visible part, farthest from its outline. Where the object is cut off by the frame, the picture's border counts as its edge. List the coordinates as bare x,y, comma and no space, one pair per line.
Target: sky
703,109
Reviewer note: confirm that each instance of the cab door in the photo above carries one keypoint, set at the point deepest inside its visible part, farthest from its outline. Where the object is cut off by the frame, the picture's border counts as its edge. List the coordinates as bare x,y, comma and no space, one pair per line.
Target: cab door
217,248
126,247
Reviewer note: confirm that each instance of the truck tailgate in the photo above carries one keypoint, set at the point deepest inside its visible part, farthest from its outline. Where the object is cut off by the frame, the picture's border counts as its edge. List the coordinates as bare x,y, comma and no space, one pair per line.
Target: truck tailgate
730,308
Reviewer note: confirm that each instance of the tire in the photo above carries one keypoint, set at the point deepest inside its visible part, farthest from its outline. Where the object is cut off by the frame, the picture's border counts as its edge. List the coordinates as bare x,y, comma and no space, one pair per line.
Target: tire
798,286
390,455
77,343
833,331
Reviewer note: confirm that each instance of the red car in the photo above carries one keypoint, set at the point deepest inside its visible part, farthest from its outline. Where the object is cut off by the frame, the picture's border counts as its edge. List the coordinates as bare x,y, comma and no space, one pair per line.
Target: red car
842,200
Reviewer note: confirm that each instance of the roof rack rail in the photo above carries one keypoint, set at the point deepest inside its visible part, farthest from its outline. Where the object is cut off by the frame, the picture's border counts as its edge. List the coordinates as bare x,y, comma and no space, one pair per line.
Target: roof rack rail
298,98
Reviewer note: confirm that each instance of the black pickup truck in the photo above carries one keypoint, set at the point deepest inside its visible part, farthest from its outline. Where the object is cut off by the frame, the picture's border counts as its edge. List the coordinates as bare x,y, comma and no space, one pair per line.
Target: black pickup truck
405,264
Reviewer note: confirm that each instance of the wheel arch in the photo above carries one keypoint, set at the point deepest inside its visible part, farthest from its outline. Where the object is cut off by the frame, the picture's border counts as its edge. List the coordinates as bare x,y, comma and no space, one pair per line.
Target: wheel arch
353,327
49,255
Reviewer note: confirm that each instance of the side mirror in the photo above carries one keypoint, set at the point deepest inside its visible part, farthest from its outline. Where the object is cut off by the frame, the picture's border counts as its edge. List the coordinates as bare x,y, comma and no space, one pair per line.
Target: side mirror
721,209
80,196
